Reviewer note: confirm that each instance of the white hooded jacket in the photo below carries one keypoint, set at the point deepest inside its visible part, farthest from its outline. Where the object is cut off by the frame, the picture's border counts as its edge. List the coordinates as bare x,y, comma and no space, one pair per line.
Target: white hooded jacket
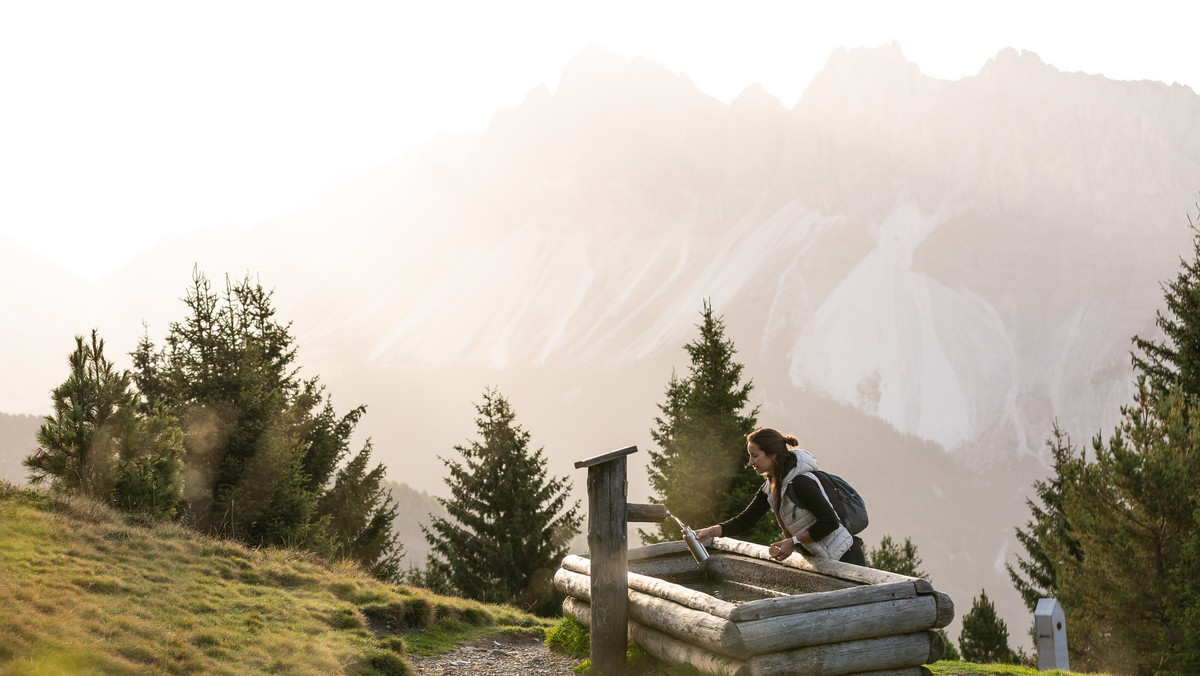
796,519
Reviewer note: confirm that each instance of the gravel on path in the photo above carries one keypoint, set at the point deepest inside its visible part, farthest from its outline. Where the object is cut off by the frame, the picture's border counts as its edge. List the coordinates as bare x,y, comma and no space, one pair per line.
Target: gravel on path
512,654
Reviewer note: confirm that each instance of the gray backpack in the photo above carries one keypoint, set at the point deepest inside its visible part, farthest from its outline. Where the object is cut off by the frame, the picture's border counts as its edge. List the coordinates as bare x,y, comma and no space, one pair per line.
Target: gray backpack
846,501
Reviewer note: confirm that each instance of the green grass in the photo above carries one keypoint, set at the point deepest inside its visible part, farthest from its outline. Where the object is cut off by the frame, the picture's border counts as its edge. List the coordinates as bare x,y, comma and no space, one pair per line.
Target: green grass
85,590
971,669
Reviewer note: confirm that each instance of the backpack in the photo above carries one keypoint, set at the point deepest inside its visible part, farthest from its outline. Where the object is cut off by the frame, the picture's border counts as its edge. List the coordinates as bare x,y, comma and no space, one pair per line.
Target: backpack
846,501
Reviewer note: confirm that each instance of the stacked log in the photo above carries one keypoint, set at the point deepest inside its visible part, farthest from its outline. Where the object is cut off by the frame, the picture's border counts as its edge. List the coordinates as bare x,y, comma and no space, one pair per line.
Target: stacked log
867,621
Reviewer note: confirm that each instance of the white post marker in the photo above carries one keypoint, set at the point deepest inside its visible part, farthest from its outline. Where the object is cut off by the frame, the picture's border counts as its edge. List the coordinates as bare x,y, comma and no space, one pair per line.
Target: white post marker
1051,624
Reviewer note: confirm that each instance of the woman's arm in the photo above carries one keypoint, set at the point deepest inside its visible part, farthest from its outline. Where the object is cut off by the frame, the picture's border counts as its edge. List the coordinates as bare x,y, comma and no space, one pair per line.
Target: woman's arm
740,523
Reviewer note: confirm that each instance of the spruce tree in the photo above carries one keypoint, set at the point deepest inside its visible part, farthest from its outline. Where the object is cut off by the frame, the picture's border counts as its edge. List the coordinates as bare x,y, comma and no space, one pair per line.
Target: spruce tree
896,558
699,470
1174,360
1172,365
1116,539
96,442
361,513
984,636
1035,576
1185,616
268,460
1133,513
508,525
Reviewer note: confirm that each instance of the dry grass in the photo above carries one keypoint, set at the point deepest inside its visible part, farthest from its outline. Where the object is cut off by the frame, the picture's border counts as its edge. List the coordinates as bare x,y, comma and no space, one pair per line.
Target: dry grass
84,590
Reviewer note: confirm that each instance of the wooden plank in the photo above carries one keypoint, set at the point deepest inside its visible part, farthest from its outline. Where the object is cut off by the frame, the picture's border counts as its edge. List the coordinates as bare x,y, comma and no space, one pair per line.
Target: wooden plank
804,603
773,575
576,563
561,582
659,549
689,598
834,569
638,512
820,623
945,606
694,626
844,571
646,580
671,650
851,657
671,559
653,586
601,459
607,544
664,646
839,625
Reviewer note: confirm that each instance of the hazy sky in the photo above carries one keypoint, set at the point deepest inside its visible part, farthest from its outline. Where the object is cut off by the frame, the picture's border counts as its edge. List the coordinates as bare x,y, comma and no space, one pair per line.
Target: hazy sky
123,121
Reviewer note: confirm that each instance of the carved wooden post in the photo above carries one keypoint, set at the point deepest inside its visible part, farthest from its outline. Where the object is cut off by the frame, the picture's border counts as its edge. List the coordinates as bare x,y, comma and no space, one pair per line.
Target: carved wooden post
609,550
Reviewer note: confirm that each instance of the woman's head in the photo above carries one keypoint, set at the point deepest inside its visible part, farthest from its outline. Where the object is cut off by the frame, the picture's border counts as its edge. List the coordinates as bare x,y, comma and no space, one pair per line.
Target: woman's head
772,442
770,453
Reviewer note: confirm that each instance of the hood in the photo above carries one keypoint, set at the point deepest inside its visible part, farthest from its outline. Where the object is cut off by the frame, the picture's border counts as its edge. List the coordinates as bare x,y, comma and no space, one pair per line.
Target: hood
805,462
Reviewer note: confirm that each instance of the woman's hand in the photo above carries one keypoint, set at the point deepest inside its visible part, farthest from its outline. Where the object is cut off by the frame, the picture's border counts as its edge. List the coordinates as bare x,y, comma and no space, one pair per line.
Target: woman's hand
782,549
710,532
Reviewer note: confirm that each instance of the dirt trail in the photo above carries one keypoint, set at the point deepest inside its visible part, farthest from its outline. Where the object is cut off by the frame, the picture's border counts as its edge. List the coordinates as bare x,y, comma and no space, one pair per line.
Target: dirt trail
504,655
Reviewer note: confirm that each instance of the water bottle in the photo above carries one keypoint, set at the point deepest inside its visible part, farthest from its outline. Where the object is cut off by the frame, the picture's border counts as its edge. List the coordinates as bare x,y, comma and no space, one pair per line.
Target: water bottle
694,546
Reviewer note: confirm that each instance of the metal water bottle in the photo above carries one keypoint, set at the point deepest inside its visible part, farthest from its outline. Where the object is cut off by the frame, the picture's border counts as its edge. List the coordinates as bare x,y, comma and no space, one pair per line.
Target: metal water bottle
694,546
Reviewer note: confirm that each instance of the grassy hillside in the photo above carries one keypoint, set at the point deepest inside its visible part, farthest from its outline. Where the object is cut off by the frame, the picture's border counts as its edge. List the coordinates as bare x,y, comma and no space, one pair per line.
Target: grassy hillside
85,590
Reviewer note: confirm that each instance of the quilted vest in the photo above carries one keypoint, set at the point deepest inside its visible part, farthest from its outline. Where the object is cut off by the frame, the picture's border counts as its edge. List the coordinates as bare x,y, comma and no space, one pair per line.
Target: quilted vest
796,519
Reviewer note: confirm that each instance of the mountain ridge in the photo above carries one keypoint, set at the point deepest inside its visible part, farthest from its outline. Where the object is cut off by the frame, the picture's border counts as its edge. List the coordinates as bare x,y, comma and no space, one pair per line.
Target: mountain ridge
960,262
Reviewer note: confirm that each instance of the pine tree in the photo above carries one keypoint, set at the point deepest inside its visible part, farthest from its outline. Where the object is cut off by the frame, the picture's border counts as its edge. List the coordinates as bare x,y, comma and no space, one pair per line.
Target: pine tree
699,470
360,513
1036,578
1185,616
1132,512
984,636
1173,365
1117,539
1175,360
896,558
268,459
98,444
509,525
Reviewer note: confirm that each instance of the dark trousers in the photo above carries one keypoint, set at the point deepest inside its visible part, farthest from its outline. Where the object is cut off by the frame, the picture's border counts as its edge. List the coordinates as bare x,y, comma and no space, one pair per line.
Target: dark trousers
855,553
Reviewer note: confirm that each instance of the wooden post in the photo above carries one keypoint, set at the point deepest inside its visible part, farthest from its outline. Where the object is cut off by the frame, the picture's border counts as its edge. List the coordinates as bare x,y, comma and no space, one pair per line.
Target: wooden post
607,542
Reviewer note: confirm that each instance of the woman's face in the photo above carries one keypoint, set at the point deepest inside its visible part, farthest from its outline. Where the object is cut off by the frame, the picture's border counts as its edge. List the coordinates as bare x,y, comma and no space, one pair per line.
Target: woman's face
759,461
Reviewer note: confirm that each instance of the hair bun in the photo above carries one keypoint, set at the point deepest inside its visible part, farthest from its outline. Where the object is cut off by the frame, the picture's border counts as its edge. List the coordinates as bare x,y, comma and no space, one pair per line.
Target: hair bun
791,440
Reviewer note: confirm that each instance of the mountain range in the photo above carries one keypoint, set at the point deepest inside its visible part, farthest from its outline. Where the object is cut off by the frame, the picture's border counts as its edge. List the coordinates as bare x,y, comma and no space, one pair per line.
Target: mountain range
921,276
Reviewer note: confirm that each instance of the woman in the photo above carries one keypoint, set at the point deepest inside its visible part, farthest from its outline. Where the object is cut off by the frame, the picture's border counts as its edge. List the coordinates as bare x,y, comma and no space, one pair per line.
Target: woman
796,498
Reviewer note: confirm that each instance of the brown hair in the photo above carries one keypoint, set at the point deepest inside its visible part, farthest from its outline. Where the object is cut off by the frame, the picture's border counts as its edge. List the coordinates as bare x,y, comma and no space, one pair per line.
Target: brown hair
775,445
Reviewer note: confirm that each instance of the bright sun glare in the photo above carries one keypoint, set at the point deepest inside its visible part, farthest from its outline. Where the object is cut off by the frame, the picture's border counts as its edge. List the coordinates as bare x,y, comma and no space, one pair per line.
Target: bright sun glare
127,121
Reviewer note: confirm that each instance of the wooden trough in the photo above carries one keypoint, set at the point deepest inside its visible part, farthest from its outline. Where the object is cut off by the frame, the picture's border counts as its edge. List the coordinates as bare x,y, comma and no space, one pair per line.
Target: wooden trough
804,616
